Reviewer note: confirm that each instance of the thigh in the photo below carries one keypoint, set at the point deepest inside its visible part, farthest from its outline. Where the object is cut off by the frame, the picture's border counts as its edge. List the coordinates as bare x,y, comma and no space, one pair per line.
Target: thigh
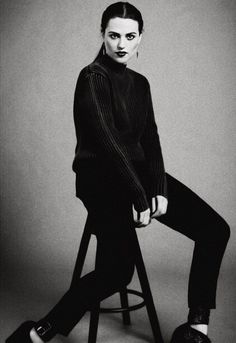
109,213
106,199
187,213
115,251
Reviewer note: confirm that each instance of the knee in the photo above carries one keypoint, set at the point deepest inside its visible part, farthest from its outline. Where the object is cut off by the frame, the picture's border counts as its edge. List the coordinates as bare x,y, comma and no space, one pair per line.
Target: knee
226,231
222,232
216,231
129,274
125,273
122,274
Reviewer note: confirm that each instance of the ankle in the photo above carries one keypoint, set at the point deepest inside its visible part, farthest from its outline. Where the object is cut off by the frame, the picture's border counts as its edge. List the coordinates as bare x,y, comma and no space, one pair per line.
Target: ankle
200,327
198,315
34,336
198,319
44,330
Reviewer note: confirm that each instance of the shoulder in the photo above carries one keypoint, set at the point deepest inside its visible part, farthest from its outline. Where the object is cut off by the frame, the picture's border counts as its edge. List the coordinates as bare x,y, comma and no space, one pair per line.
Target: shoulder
93,69
90,73
90,76
139,78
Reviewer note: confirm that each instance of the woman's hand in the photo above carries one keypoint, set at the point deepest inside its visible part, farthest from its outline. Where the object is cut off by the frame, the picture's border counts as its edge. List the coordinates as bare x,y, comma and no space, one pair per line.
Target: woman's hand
159,206
142,218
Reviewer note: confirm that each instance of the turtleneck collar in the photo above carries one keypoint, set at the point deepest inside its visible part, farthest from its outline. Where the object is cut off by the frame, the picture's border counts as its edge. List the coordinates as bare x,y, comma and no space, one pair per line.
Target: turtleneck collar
112,64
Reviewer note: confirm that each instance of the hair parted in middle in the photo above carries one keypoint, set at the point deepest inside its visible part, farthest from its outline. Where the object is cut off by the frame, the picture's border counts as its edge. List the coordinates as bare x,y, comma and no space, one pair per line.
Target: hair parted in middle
123,10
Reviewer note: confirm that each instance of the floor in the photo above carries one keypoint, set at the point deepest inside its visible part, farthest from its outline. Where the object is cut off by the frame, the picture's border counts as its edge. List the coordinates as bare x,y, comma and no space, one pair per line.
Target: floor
29,291
32,298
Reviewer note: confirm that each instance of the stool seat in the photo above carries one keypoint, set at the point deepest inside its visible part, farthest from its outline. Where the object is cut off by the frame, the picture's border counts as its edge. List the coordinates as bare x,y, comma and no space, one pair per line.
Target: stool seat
125,308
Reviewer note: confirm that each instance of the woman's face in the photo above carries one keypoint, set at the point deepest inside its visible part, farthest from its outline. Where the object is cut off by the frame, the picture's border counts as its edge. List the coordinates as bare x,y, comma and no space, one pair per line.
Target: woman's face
121,39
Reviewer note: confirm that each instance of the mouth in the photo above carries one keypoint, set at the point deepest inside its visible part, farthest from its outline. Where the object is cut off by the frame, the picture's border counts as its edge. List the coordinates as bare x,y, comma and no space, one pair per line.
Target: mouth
121,54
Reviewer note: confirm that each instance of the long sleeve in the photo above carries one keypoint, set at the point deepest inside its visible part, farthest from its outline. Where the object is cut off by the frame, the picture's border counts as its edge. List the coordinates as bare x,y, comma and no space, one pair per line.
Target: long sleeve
99,118
151,144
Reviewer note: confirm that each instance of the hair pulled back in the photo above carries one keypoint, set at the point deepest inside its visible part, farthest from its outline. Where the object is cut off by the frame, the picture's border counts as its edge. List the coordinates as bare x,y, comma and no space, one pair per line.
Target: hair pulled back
122,10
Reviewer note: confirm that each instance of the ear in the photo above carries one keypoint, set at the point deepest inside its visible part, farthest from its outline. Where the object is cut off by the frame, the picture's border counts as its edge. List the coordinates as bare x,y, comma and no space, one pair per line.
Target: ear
140,38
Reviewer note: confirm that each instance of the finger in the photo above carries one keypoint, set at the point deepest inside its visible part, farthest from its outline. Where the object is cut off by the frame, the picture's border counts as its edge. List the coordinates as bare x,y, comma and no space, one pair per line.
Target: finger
141,218
161,207
154,204
146,218
160,210
34,336
158,213
142,224
135,215
141,221
164,204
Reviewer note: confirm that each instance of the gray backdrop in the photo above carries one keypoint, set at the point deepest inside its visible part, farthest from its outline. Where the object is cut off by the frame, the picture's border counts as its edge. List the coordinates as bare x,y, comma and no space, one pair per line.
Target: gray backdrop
188,53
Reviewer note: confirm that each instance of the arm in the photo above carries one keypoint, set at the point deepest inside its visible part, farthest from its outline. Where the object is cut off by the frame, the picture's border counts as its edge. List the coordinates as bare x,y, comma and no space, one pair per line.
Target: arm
151,144
99,116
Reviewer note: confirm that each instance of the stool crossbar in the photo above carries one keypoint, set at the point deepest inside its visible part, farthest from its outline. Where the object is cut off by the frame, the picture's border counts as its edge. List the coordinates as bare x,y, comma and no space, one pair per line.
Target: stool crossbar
125,309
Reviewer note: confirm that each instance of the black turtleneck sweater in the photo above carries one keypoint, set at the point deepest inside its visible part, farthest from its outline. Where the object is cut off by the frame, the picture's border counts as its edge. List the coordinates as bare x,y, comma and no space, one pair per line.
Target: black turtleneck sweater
114,120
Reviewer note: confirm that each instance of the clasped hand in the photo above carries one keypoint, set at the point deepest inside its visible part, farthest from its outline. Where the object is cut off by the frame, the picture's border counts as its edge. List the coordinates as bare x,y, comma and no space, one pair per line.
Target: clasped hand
159,207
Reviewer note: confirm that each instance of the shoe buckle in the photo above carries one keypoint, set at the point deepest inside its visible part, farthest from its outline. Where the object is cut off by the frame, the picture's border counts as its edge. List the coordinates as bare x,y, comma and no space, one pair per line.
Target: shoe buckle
43,329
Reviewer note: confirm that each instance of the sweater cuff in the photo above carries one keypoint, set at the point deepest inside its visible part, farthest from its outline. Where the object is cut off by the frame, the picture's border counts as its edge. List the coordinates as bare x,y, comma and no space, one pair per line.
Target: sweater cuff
159,187
141,203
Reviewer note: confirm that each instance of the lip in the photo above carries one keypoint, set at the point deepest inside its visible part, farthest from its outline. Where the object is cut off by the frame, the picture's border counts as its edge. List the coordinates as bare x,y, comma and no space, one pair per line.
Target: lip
121,53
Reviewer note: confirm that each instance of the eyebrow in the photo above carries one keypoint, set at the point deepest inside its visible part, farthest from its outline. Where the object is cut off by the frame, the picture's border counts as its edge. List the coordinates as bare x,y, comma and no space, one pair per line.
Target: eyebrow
128,33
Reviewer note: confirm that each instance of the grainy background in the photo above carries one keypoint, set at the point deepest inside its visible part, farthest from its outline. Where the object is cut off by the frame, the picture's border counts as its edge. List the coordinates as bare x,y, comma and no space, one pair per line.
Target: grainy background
188,53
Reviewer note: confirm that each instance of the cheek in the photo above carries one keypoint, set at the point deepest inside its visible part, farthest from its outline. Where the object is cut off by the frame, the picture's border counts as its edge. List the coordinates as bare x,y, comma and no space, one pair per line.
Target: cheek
134,45
110,45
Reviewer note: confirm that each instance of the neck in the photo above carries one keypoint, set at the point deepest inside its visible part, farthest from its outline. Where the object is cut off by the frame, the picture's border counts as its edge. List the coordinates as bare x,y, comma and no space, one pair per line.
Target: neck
113,65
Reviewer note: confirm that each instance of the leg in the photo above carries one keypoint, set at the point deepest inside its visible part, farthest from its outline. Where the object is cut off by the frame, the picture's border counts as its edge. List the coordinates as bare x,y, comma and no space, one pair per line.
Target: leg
193,217
114,262
83,247
147,293
111,216
114,270
188,214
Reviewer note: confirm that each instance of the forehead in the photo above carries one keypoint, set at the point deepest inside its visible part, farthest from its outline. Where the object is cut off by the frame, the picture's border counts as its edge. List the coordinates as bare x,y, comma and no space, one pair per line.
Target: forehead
122,25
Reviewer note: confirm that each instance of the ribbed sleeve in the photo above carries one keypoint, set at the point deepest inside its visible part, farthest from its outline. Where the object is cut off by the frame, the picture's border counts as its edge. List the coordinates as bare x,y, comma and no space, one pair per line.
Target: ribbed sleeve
99,115
151,144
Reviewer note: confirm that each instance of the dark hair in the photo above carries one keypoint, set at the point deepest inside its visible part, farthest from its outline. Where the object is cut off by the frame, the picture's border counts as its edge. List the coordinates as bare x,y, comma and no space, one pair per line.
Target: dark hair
122,10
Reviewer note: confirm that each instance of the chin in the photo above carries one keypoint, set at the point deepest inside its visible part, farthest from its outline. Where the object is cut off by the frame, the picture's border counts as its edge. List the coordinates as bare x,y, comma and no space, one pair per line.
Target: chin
123,60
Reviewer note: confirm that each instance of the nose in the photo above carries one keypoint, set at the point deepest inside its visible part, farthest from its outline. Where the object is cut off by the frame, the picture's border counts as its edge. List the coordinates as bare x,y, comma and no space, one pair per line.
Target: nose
121,43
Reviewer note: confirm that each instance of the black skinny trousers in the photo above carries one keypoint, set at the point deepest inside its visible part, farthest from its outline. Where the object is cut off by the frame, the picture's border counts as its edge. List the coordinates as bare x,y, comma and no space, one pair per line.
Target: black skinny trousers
110,214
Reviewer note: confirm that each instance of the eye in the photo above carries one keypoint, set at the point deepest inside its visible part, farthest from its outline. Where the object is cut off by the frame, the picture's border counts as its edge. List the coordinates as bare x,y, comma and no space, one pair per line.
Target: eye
130,36
113,35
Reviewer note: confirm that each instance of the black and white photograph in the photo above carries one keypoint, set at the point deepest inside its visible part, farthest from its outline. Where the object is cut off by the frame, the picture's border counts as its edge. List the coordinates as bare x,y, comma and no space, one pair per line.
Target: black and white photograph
118,171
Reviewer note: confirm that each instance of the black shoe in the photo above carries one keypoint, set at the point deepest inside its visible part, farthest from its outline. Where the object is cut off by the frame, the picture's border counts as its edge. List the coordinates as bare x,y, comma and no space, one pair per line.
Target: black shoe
186,334
22,334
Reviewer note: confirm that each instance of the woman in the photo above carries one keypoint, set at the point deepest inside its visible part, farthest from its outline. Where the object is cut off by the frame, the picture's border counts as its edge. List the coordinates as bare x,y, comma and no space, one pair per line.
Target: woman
119,166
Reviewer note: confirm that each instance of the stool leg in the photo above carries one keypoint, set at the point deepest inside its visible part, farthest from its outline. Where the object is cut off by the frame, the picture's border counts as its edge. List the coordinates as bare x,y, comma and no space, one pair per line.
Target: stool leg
94,316
83,248
125,303
142,274
93,325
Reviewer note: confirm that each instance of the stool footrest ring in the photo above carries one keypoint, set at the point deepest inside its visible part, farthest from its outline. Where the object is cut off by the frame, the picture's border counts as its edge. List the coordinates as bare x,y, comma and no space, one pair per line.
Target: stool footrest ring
128,308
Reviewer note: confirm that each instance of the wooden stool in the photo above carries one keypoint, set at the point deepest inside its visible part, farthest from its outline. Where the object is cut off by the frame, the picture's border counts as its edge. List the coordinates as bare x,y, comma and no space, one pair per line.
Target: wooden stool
125,309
